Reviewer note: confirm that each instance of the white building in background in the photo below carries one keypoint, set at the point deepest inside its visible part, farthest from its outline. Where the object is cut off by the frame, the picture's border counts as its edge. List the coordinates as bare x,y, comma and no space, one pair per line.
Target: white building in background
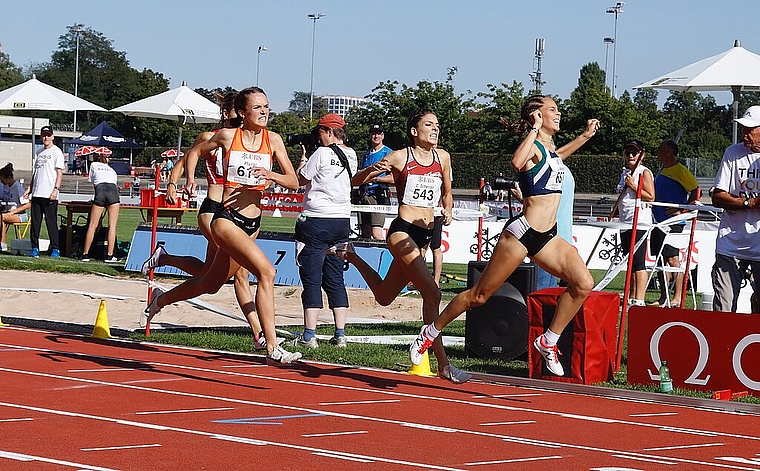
340,104
16,139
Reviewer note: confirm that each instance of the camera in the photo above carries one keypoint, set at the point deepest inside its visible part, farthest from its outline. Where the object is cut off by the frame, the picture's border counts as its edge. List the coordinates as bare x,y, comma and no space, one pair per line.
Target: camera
308,140
502,183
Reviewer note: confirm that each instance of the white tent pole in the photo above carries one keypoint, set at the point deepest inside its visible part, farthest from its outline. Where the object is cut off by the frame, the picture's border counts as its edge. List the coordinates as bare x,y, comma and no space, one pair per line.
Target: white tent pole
735,92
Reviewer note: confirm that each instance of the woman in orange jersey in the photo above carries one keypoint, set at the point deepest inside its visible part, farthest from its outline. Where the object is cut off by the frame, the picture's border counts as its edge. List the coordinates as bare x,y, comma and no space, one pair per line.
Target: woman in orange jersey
215,178
249,152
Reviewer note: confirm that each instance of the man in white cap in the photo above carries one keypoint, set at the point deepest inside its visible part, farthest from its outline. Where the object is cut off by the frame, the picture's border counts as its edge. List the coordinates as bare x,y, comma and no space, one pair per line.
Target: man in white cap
737,191
47,174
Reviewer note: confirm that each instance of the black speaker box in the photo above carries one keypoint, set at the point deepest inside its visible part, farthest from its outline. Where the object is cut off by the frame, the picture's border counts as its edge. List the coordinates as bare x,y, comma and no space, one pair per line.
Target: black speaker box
499,328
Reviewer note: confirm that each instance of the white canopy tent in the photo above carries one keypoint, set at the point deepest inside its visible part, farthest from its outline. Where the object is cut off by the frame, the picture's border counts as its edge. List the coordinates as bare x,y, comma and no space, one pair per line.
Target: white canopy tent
34,95
734,70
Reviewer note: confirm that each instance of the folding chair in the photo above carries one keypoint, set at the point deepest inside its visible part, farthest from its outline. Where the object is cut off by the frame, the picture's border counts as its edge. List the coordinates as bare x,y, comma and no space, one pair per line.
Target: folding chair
679,240
21,229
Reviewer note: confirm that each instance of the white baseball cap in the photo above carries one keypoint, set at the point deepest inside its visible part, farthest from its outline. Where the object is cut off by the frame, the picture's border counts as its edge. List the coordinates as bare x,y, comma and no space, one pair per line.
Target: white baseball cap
751,118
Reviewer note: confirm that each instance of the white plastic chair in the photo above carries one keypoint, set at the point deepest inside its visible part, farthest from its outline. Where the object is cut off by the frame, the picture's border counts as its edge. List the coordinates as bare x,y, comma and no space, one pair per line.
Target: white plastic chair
679,240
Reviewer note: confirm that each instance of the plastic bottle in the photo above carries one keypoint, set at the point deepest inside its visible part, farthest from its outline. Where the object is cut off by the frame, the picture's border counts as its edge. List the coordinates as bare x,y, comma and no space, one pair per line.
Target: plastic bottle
666,383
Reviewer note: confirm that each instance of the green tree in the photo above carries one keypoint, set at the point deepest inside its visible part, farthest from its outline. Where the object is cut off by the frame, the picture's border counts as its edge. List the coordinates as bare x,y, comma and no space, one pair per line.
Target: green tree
391,104
301,104
10,75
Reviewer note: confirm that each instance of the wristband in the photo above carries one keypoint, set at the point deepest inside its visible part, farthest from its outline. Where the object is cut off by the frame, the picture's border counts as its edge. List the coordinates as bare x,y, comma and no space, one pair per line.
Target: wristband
535,129
171,183
55,188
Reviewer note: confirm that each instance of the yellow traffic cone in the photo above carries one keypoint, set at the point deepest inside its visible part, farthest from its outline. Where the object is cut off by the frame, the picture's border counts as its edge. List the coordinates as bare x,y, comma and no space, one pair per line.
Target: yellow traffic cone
423,369
101,330
1,323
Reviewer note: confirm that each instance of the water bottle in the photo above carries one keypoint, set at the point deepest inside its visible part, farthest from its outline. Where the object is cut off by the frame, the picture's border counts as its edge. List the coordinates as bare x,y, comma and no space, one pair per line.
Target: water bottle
666,384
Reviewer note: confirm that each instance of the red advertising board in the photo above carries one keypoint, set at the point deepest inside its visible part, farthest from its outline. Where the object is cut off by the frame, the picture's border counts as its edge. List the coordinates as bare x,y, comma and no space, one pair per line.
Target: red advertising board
705,350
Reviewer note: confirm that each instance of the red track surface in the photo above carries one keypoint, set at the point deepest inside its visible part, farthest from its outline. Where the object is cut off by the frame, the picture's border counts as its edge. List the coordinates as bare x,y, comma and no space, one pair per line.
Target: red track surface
71,402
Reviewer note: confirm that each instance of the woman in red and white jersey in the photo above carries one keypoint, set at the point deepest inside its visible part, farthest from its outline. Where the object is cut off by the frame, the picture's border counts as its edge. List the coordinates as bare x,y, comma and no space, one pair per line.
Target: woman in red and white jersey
422,173
249,152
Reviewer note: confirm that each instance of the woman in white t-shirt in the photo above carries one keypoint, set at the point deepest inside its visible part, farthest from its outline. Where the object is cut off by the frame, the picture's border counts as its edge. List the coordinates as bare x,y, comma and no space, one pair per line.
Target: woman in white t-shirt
633,154
324,222
14,209
106,196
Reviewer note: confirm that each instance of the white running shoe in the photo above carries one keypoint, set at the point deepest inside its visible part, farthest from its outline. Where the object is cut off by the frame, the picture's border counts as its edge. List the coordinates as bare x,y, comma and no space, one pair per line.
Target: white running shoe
282,357
261,343
454,374
551,356
153,308
420,345
341,250
153,260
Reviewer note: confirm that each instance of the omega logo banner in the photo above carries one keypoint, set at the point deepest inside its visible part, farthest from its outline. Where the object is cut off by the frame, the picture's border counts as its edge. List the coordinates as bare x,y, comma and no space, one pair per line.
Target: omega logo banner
705,350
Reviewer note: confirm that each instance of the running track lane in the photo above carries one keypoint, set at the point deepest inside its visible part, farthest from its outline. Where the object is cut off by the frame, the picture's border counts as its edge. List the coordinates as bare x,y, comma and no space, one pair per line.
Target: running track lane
71,402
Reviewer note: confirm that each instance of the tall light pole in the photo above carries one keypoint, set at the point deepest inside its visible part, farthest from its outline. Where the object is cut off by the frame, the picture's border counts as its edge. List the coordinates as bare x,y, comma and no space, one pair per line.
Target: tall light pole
262,48
313,17
607,42
617,9
76,29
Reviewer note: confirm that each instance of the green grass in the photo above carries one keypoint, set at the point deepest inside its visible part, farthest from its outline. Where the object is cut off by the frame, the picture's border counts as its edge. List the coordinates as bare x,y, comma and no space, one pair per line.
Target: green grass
377,356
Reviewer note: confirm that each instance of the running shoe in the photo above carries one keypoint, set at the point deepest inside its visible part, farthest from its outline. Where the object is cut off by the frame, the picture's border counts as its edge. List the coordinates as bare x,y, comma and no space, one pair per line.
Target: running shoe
341,250
281,356
420,345
154,260
55,253
35,253
339,341
111,259
551,356
153,308
260,344
454,374
300,342
84,259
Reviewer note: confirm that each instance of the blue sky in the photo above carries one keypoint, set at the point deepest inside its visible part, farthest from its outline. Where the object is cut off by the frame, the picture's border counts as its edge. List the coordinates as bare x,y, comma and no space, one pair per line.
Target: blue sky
360,43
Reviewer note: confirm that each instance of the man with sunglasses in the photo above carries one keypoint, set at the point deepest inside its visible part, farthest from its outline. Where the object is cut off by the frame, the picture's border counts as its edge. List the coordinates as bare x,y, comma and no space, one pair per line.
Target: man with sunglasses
47,173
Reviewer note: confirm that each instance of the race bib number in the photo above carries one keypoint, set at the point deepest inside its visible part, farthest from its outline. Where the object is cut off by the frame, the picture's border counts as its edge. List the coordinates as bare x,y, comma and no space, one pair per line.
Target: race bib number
422,190
241,164
557,174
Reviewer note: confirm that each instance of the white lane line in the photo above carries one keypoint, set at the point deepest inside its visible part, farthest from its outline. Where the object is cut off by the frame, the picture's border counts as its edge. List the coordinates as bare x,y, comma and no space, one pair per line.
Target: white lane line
516,460
486,396
589,418
23,457
431,428
702,433
333,434
340,457
357,402
101,370
16,420
516,422
180,411
648,460
245,366
681,447
657,414
125,447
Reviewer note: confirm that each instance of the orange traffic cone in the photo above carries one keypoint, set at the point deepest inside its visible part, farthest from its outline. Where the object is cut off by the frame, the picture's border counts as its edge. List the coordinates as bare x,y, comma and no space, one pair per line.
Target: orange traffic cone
423,369
101,330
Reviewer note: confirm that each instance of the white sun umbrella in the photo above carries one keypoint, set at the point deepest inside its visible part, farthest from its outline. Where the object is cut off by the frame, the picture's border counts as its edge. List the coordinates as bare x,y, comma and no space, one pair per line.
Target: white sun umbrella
734,70
34,95
182,104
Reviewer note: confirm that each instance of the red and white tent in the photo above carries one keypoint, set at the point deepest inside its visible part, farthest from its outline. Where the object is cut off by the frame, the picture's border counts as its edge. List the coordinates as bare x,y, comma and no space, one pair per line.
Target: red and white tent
171,154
